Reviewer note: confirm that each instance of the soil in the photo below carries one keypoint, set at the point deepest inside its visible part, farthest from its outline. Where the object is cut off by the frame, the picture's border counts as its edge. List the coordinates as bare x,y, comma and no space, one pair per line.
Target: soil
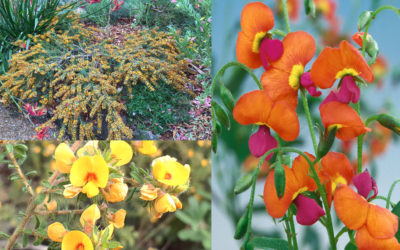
14,125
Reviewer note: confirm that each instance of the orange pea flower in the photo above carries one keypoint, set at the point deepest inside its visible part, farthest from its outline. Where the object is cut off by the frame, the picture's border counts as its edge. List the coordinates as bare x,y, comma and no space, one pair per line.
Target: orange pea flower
297,182
376,226
285,76
254,46
257,107
334,63
336,169
342,116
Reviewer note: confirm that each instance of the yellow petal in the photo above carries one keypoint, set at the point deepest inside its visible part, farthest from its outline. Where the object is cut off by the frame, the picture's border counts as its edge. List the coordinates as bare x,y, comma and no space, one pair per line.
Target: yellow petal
64,158
121,151
168,171
76,240
118,218
89,169
90,215
165,204
147,148
115,191
90,189
56,231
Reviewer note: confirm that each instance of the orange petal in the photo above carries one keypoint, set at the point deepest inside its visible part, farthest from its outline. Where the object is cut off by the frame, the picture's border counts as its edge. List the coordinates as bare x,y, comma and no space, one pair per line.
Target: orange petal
336,165
349,123
244,51
333,60
298,48
256,17
365,241
253,108
283,119
301,170
351,208
381,223
276,83
277,207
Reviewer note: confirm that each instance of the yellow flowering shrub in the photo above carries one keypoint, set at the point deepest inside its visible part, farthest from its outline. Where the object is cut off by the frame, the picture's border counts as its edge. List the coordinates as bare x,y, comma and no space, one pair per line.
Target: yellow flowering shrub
82,81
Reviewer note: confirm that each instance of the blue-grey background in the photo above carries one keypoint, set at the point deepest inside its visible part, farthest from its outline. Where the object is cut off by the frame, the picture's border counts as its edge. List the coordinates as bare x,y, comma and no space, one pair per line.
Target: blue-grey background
226,24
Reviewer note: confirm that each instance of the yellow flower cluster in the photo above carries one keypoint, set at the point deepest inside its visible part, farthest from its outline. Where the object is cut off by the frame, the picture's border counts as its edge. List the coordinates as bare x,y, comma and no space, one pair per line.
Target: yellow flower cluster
85,81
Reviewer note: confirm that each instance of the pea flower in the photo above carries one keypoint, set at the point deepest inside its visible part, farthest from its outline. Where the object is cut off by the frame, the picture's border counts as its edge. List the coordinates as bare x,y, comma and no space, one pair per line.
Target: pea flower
116,190
74,240
64,158
297,182
254,45
340,115
167,170
167,203
257,107
117,219
56,231
71,191
287,74
121,151
91,173
376,226
148,192
89,217
147,148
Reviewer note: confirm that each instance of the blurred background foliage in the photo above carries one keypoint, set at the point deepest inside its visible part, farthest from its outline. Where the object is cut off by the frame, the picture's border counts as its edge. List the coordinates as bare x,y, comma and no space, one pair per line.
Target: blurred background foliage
189,228
233,158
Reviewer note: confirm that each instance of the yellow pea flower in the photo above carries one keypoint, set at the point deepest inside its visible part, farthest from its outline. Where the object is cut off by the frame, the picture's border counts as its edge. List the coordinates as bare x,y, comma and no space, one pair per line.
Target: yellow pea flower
89,217
116,190
71,191
167,203
56,231
76,240
121,151
118,218
64,158
110,231
91,173
147,148
90,148
168,171
148,192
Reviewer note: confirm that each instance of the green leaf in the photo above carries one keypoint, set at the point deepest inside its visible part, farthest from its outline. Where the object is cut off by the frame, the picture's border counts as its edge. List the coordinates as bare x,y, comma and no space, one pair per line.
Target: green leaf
280,180
270,243
227,98
221,114
309,6
40,198
113,244
185,218
4,235
326,142
37,222
24,240
189,234
9,148
364,19
241,226
244,183
350,246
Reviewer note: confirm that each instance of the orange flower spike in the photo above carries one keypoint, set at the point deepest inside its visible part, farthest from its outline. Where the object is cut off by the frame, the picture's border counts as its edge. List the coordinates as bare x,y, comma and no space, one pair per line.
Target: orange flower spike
334,63
256,107
282,79
256,20
346,119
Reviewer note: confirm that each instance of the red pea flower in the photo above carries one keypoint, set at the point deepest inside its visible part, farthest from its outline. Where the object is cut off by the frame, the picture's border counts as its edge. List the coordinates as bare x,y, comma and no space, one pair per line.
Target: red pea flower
254,46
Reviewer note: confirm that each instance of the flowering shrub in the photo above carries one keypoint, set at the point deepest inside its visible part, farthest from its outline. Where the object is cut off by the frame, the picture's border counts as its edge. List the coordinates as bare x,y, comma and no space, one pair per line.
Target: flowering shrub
83,81
312,185
96,191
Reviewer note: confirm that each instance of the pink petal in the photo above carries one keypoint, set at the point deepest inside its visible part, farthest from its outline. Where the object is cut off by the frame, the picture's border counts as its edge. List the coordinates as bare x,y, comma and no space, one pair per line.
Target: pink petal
270,50
349,91
308,84
364,184
332,97
308,210
262,141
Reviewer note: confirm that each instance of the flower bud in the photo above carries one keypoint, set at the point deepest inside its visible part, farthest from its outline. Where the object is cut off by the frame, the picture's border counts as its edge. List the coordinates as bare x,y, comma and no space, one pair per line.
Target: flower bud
116,191
148,192
71,191
389,122
118,218
56,231
165,204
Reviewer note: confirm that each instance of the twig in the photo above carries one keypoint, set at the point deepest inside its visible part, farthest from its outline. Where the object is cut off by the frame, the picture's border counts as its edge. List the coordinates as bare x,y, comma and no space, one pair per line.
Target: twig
21,174
77,211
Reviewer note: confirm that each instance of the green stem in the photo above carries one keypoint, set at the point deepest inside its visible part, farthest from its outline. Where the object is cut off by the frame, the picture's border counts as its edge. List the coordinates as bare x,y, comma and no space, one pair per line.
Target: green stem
381,198
351,236
342,231
360,139
286,15
309,119
287,231
314,175
390,193
293,230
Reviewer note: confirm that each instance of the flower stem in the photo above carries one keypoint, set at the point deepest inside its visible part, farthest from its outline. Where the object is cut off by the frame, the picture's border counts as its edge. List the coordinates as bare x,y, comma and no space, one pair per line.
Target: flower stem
314,175
286,15
293,230
390,193
288,234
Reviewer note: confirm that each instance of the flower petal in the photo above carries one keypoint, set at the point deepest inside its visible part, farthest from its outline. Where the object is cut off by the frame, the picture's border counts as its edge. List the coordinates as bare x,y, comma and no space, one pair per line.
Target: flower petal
283,120
351,208
381,223
349,91
363,183
365,241
244,52
256,17
262,141
253,108
349,123
308,210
